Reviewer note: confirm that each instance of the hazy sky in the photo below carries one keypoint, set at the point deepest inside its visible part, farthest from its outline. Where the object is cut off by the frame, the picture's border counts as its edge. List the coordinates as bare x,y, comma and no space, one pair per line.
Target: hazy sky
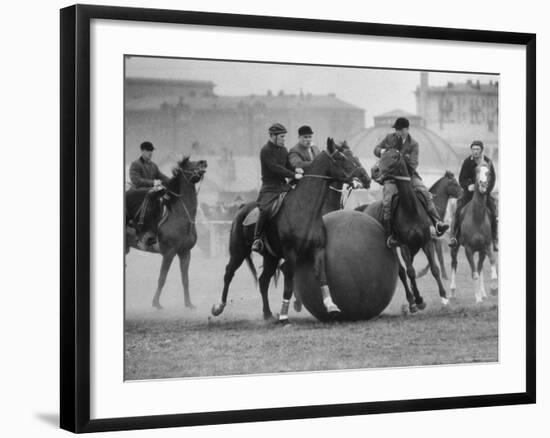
374,90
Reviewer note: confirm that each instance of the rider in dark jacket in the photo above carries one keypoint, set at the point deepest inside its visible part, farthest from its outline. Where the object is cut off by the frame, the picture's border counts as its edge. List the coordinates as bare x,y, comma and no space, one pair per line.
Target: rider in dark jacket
404,143
467,179
275,170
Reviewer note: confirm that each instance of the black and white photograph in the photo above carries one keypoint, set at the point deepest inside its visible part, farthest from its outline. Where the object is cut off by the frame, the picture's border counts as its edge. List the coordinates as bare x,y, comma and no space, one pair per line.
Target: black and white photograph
287,218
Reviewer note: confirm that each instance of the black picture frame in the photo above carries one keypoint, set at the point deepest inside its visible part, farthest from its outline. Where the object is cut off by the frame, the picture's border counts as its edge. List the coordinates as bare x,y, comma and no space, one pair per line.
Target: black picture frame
75,217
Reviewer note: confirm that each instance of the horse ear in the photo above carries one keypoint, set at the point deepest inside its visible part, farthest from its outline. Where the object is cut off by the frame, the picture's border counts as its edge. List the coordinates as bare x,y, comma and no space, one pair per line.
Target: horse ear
330,145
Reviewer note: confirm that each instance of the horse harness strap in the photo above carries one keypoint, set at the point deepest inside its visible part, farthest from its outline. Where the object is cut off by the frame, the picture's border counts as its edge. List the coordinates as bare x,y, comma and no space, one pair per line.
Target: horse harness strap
402,178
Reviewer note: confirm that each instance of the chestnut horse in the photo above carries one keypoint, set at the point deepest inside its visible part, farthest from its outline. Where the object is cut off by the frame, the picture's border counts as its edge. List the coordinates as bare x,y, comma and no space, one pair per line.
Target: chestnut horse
176,231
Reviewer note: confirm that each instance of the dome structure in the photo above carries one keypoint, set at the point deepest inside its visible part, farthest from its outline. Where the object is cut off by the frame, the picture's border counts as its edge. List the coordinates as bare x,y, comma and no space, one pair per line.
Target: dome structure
435,154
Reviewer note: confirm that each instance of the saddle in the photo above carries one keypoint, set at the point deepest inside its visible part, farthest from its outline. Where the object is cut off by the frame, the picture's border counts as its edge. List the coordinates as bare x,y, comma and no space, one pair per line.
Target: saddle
252,217
145,213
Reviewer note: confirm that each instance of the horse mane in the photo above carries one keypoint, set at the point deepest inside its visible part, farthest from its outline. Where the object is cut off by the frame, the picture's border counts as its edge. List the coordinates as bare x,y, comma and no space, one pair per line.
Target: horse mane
436,185
173,183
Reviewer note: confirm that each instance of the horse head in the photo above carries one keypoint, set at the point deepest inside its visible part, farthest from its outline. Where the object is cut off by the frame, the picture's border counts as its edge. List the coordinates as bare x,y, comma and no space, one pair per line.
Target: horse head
191,171
452,187
483,176
346,166
390,165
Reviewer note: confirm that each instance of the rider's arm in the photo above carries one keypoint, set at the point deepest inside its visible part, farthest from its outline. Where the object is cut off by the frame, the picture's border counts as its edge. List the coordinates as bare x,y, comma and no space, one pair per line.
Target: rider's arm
136,177
464,179
296,161
161,176
269,160
411,157
378,149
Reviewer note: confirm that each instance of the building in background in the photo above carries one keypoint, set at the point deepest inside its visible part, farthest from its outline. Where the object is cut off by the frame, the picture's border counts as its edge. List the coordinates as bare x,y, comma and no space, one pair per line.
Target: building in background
186,116
460,112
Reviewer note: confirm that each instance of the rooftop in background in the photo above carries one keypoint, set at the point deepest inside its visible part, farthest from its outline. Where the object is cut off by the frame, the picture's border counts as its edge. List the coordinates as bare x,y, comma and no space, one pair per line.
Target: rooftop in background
278,101
463,87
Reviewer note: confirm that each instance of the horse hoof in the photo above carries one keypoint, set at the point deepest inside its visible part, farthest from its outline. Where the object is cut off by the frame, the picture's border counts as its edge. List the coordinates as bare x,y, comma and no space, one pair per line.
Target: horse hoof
444,301
479,300
268,316
283,322
217,309
298,306
190,306
413,308
404,309
421,305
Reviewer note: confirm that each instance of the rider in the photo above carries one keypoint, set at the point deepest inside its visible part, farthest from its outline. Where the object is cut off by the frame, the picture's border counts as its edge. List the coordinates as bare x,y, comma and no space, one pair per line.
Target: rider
404,143
275,168
301,155
145,176
467,179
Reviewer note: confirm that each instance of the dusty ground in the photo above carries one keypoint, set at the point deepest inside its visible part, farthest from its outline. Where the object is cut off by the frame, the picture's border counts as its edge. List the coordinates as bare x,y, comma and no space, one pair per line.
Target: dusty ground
178,342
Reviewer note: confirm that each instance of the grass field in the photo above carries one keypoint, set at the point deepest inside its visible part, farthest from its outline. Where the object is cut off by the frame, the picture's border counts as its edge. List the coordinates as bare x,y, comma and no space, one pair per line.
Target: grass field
178,342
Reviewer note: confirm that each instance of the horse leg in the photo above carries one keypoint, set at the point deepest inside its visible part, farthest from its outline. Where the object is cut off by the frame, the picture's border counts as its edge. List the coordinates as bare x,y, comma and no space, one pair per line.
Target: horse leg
494,276
429,251
454,264
423,271
164,267
319,267
185,259
270,266
235,261
408,259
285,269
408,293
287,292
440,257
475,274
480,261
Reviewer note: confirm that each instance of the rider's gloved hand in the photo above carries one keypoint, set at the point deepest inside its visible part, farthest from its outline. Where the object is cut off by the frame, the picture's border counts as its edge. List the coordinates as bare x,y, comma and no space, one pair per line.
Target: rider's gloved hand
300,170
357,184
471,187
382,151
157,182
298,176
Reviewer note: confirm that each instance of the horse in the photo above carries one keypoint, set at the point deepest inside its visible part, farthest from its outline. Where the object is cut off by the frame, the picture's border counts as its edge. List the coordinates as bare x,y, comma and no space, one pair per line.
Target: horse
176,230
443,190
297,231
411,225
474,234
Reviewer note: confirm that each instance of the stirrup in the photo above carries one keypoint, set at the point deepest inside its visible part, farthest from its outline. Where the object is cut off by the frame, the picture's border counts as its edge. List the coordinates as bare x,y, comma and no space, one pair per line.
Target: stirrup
258,245
441,227
391,241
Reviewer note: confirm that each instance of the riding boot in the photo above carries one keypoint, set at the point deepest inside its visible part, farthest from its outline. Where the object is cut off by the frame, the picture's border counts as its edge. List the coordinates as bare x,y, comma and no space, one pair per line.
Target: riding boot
258,244
440,227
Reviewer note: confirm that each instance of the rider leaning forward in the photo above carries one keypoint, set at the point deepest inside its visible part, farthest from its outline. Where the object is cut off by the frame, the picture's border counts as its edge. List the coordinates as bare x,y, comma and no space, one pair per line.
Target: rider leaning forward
467,179
404,143
275,168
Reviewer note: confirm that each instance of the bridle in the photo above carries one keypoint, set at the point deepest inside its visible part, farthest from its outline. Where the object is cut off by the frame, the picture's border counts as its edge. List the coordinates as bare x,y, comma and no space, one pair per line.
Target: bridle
194,173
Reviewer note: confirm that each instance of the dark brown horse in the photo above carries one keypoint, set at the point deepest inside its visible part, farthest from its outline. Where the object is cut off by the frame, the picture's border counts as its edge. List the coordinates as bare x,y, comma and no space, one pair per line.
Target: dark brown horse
474,234
176,231
297,233
411,224
443,189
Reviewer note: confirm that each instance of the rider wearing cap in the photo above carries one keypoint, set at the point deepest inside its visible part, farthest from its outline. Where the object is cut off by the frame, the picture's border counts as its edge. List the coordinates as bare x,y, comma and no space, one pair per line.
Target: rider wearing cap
467,180
404,143
275,169
301,155
145,176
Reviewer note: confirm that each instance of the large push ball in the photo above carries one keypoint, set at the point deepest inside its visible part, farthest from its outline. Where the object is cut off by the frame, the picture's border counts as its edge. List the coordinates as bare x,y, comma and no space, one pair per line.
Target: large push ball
362,271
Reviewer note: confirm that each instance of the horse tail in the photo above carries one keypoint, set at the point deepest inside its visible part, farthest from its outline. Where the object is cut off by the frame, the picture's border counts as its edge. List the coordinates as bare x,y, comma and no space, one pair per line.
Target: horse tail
252,268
